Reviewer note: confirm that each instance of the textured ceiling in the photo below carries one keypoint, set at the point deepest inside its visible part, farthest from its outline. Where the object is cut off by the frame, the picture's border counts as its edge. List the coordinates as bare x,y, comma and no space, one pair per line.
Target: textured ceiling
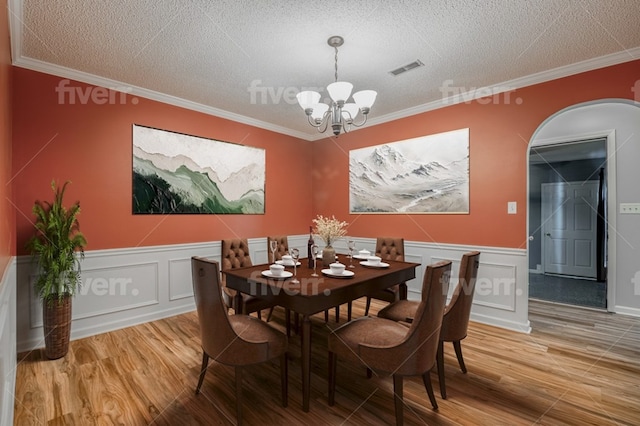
245,60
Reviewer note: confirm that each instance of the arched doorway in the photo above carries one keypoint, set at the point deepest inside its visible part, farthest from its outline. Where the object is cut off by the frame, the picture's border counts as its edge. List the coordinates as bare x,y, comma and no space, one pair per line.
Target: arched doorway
613,121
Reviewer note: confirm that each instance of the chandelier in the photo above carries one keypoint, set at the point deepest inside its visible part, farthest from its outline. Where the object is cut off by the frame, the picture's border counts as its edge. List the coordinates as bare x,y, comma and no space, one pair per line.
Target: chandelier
339,112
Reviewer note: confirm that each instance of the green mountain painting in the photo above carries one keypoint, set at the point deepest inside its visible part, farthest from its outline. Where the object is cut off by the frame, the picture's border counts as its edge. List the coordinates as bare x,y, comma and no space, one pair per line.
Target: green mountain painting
175,173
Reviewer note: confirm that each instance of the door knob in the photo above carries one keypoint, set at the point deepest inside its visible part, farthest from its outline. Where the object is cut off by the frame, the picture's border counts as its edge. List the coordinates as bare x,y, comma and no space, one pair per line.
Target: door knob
547,234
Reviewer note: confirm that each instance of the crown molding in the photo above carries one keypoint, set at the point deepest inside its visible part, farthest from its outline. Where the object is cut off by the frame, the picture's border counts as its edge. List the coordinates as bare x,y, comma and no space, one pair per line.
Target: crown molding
40,66
517,83
15,9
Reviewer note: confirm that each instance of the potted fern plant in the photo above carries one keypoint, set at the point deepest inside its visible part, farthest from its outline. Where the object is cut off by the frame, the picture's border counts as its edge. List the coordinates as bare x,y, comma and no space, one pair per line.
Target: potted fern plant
54,247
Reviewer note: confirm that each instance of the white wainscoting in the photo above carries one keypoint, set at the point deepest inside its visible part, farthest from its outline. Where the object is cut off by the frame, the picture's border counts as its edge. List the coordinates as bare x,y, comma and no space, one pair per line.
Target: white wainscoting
124,287
8,354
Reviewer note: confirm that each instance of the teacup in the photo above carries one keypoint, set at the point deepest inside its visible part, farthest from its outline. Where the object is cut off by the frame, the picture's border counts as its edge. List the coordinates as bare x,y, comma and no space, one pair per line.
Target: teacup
337,268
287,260
373,260
364,253
276,270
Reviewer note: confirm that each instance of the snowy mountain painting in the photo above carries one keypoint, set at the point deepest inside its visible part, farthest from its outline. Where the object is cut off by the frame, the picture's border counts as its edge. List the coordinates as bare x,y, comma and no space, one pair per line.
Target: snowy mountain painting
177,173
429,174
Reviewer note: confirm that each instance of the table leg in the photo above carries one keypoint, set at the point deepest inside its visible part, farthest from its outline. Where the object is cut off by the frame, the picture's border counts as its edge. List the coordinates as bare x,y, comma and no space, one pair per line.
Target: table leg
403,291
238,303
306,362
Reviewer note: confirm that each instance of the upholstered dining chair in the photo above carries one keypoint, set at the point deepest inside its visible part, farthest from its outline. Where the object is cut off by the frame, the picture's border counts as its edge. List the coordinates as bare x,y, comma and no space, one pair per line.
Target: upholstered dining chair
456,315
235,254
388,346
234,340
282,249
388,249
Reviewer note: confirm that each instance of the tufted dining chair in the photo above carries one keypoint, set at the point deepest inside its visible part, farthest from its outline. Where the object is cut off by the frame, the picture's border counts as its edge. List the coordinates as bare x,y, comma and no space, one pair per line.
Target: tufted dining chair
388,346
388,249
283,246
234,340
456,315
235,254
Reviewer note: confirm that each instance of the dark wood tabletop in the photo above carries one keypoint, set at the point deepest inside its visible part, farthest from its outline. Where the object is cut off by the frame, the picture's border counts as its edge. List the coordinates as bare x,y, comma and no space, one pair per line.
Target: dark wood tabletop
317,294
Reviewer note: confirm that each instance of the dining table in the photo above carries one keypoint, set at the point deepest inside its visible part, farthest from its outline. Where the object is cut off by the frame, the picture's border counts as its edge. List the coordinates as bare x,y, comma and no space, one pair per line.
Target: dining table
314,294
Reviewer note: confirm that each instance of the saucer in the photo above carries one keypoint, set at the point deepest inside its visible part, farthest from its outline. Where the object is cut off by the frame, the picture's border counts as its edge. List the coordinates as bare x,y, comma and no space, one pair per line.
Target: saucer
283,274
373,265
280,262
345,274
361,257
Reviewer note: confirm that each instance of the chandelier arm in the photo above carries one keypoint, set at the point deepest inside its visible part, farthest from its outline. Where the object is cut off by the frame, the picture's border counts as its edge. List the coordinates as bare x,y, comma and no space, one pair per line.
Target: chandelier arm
359,124
324,124
312,122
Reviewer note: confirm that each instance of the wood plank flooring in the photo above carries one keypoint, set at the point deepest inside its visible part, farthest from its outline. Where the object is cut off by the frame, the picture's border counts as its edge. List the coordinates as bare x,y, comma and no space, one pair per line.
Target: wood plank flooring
577,367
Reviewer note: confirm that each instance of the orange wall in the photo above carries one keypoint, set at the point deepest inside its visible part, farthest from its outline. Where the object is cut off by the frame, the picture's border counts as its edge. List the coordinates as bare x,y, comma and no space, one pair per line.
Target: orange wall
91,145
499,134
7,215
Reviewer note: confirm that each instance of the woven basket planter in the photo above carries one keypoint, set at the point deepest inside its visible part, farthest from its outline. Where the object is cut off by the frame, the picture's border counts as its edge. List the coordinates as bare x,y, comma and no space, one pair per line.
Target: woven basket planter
56,315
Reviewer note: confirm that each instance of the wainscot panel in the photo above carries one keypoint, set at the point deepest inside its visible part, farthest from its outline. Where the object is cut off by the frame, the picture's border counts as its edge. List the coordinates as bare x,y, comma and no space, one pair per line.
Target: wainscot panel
7,343
123,287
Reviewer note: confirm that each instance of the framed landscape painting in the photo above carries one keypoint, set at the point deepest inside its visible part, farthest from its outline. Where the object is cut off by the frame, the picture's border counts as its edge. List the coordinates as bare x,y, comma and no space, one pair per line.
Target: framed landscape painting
428,174
178,173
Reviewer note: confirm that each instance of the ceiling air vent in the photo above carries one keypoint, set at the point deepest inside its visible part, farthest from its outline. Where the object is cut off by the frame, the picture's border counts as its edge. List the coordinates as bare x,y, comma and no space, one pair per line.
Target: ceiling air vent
415,64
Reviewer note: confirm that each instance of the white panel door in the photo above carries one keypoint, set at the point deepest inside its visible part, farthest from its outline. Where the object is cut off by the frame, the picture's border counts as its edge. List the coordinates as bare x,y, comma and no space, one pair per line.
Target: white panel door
569,213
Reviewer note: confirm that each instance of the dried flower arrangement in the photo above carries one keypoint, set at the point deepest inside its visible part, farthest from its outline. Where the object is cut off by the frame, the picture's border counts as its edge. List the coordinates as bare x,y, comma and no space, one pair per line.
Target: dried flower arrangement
329,229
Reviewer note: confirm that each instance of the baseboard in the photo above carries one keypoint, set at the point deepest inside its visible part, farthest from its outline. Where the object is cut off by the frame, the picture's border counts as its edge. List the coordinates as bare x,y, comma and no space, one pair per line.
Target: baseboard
625,310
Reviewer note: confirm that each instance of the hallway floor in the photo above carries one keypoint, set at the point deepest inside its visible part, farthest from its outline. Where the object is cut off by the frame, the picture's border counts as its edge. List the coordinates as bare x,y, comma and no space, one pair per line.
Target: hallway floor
568,290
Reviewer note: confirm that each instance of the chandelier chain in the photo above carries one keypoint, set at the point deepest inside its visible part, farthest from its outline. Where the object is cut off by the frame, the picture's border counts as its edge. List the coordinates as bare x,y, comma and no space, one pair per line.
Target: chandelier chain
336,62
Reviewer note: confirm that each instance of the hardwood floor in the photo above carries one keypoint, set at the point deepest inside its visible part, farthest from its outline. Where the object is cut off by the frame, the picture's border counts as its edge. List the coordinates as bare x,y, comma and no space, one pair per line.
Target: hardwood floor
577,367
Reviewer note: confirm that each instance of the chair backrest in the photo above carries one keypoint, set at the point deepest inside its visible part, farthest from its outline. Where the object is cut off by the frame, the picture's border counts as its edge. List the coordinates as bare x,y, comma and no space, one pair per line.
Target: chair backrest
283,245
220,340
458,311
215,330
390,248
416,354
235,254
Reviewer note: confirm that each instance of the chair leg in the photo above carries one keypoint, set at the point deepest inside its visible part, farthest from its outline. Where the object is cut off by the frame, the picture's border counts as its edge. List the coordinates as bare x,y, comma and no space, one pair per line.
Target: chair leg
426,378
349,309
369,373
203,370
440,362
458,348
367,306
259,315
338,314
270,313
284,379
333,360
326,316
287,321
239,394
397,398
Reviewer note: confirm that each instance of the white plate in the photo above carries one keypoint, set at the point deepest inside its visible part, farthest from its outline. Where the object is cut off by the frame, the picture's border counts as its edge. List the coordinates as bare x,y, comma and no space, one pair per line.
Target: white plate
373,265
345,274
360,257
280,262
283,274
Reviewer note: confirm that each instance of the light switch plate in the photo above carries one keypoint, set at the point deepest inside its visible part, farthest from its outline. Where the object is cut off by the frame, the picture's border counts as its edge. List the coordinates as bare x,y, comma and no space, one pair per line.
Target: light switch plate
630,208
512,207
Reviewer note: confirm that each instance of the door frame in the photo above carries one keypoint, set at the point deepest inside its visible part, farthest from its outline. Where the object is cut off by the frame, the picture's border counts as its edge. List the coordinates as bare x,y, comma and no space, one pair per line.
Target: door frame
610,136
